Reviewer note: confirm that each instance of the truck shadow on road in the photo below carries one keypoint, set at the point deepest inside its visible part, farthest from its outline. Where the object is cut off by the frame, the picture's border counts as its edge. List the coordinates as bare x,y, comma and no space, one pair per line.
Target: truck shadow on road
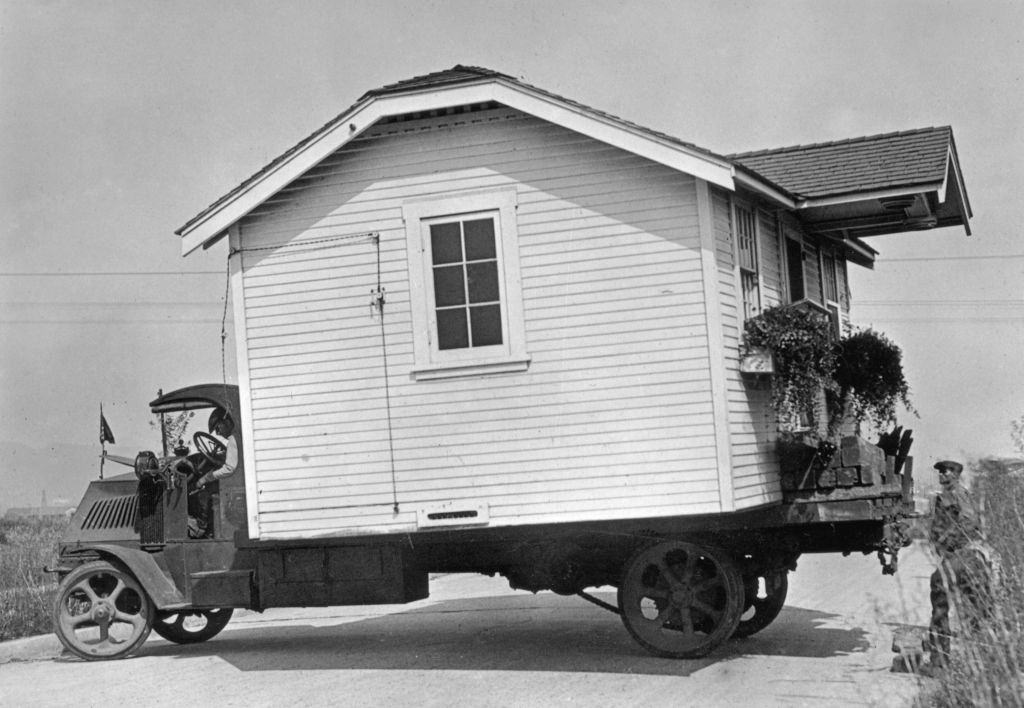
508,633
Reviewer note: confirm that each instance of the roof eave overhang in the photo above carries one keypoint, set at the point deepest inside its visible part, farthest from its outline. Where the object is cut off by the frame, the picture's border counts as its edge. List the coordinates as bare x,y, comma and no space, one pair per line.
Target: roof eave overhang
854,249
948,191
765,189
851,197
212,225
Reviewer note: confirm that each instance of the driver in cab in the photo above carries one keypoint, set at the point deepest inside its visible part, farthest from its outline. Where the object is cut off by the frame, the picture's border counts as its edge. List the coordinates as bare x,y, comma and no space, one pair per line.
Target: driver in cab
220,458
223,448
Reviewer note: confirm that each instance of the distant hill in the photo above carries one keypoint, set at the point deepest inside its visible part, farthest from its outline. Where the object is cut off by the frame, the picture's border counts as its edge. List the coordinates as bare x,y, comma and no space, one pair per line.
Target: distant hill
61,470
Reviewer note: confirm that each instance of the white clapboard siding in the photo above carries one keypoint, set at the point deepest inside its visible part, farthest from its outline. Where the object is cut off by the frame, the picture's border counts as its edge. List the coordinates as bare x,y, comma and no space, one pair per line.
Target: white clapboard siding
755,471
613,418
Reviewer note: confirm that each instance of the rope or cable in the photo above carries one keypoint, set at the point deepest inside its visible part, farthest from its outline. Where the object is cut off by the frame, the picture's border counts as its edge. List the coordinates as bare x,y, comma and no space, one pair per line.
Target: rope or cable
312,242
908,259
223,326
378,301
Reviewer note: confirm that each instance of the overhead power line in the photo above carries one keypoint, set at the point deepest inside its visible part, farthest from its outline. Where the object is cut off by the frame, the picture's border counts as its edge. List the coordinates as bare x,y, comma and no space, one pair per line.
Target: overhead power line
90,323
924,320
105,273
1004,256
944,303
134,303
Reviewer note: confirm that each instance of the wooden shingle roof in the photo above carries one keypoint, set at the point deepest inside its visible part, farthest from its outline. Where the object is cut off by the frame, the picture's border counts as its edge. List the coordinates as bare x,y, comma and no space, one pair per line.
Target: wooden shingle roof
865,164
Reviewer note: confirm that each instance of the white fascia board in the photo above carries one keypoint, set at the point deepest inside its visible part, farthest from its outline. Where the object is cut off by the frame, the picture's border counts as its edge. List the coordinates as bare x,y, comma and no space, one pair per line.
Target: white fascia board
953,164
756,185
352,124
863,196
945,177
854,244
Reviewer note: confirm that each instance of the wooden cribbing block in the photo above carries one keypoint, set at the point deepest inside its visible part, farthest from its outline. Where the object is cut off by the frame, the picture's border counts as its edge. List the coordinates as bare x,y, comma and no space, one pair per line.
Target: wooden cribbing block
827,478
795,465
847,476
858,451
869,474
853,448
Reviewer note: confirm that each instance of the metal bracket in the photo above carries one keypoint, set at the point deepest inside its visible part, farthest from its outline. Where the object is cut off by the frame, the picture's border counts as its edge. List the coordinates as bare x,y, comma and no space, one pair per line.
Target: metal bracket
377,299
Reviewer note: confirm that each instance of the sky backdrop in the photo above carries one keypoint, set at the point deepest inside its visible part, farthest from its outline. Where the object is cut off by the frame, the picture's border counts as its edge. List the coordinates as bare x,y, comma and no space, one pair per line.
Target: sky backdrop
121,120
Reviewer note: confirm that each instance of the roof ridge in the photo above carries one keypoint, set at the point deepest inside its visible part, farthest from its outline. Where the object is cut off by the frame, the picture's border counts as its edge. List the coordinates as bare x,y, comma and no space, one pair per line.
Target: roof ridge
435,78
836,143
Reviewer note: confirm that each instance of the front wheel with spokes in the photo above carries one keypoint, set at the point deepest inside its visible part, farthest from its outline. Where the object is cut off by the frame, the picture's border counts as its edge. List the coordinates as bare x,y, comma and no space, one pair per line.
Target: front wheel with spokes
191,627
680,600
101,612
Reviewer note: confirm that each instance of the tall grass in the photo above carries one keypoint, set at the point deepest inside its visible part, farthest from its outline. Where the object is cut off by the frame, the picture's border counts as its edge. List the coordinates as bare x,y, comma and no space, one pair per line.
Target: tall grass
987,661
26,592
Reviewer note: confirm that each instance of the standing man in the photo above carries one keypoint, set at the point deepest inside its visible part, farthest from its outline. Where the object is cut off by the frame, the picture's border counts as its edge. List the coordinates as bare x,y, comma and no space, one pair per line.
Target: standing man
963,571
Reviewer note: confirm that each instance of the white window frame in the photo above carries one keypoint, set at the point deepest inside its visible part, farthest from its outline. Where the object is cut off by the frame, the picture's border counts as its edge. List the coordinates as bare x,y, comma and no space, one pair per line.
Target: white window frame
833,305
792,235
431,362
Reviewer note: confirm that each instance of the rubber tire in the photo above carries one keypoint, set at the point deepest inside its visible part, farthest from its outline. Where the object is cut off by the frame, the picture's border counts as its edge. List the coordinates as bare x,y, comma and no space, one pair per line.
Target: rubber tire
176,632
765,609
110,650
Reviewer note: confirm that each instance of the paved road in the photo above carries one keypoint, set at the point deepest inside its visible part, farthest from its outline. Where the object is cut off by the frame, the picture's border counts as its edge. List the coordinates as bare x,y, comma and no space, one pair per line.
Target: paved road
474,642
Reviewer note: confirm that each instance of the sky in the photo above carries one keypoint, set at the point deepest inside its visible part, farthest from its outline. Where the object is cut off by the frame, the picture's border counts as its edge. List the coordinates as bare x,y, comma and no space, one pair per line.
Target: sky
120,120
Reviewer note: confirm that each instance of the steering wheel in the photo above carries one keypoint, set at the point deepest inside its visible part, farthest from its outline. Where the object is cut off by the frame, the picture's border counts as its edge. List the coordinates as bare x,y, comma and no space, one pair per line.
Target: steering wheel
212,449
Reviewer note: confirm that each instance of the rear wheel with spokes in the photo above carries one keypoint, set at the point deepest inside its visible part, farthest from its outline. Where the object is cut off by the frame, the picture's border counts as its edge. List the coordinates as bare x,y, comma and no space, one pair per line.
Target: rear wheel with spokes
101,612
764,598
680,600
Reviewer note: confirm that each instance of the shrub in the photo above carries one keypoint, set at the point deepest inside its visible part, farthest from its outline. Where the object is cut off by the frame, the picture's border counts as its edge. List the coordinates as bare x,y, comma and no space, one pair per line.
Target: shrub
26,592
987,665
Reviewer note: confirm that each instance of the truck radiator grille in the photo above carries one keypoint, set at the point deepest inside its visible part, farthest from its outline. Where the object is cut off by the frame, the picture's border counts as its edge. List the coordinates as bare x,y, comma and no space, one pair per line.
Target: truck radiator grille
118,512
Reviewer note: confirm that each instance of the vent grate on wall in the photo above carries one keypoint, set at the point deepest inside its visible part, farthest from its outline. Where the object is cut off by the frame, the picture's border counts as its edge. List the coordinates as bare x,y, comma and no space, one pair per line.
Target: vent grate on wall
453,514
117,512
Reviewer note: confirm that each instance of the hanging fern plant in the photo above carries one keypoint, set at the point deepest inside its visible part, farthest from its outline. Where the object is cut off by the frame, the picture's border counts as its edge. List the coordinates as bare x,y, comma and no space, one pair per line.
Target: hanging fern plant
804,355
869,374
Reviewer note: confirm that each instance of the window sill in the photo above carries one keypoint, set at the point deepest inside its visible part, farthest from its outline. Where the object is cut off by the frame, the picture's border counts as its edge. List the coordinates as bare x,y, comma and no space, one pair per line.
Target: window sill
465,369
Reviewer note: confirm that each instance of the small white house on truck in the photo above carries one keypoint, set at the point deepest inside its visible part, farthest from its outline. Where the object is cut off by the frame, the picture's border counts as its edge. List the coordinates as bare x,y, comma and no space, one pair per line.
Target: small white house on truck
467,302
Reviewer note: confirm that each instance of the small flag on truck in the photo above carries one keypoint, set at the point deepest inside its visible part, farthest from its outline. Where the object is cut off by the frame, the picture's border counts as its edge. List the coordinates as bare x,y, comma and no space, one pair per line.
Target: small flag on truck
106,436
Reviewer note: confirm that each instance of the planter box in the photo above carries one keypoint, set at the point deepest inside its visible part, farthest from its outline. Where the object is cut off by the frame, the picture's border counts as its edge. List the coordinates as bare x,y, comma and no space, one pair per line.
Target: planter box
757,361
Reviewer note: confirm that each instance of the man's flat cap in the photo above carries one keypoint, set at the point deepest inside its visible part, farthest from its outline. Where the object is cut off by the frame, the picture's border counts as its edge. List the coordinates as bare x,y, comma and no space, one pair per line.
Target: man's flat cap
954,467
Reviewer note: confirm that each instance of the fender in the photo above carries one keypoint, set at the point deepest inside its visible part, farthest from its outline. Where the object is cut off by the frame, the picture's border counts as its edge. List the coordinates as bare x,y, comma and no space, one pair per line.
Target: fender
151,574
